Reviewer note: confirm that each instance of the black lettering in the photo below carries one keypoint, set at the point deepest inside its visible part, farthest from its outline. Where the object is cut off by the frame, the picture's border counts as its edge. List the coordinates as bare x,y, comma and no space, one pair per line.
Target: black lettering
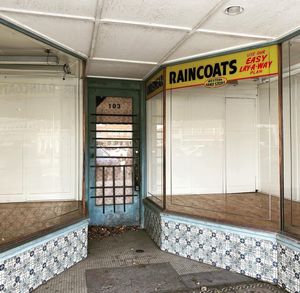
224,67
217,70
157,83
185,74
192,73
208,71
172,77
161,81
180,77
199,76
233,67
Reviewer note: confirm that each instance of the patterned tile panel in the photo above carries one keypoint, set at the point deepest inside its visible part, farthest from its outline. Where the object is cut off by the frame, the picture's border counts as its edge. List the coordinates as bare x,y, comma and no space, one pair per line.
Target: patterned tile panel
153,224
252,254
31,267
289,267
246,255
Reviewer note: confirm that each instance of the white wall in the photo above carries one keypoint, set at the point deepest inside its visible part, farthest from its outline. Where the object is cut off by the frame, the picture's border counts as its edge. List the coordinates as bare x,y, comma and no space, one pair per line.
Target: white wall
196,145
268,138
198,122
240,144
40,139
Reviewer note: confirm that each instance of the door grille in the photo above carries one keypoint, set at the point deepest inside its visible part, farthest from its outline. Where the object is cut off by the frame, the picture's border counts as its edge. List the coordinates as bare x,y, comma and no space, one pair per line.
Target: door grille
115,149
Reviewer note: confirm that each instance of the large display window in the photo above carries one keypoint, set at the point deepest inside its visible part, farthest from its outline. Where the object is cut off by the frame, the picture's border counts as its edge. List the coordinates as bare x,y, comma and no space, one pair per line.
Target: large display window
41,139
221,126
222,152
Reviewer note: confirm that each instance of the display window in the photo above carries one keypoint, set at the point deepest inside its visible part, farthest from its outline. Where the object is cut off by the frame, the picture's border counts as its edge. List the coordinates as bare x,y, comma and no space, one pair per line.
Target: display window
155,139
222,139
41,140
291,132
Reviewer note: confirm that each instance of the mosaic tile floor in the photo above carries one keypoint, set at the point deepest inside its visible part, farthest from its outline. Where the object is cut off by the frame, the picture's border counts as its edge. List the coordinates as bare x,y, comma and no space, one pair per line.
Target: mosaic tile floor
133,249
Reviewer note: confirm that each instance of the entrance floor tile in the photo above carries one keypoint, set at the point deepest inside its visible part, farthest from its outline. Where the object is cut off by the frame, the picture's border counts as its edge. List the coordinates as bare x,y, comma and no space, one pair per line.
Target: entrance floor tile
131,262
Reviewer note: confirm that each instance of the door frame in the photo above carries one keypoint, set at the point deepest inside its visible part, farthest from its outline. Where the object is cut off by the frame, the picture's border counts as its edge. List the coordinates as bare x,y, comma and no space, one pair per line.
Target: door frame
118,88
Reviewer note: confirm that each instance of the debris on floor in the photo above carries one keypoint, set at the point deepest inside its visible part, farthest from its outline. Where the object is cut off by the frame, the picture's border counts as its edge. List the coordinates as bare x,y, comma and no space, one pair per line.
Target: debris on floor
100,232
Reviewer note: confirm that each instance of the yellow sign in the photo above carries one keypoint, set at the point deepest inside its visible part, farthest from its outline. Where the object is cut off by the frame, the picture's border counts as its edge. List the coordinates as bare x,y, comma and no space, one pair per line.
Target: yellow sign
155,84
216,71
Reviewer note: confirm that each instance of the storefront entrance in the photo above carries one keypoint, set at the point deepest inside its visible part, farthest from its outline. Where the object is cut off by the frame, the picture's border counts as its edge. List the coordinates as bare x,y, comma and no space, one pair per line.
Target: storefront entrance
114,157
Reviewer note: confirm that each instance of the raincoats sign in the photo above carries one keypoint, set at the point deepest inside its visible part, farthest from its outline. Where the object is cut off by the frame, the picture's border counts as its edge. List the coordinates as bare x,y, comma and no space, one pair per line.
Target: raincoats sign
217,71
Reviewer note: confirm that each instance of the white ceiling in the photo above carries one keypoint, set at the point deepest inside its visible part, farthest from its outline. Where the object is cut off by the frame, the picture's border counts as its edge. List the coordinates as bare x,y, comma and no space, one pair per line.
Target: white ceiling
131,38
13,42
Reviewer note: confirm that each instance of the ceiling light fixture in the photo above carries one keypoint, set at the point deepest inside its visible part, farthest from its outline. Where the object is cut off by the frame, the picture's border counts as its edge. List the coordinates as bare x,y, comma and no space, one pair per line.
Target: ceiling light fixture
29,60
33,68
234,10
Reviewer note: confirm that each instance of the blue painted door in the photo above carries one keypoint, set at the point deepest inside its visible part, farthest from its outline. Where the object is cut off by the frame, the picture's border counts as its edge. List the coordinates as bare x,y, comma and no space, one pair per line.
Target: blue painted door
114,169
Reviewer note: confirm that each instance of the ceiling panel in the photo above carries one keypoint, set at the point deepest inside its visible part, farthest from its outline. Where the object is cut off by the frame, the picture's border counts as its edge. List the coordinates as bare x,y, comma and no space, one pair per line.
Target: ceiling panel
170,12
116,69
81,8
75,34
13,40
268,17
201,43
135,42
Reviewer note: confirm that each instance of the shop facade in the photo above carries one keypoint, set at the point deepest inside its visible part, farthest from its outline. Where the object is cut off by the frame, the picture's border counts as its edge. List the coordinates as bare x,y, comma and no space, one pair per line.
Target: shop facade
203,154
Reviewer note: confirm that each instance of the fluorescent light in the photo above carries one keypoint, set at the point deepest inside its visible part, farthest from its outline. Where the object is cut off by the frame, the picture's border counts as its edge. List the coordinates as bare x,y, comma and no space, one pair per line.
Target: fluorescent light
36,68
29,60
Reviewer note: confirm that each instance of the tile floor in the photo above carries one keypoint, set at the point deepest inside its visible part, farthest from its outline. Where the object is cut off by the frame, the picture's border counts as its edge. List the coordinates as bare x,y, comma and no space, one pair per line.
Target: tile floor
135,256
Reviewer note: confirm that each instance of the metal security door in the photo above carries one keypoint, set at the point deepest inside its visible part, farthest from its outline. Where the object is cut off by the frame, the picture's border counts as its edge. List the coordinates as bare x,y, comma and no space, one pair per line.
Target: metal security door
115,151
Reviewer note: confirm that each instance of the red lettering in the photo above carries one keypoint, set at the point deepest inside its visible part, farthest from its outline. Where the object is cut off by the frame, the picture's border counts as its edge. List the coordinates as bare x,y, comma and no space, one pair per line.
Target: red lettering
260,65
248,61
264,57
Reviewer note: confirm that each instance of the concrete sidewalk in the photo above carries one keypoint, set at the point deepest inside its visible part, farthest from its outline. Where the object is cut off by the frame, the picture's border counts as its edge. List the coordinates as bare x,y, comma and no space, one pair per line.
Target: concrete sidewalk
131,262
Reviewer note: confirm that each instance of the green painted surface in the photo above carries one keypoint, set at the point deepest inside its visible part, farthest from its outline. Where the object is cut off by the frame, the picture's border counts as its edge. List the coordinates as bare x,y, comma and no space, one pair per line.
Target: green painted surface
118,88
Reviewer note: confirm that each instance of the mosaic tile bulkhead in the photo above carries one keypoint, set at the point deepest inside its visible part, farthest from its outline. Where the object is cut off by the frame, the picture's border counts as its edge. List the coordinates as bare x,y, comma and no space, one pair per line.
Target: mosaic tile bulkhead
260,255
28,268
289,264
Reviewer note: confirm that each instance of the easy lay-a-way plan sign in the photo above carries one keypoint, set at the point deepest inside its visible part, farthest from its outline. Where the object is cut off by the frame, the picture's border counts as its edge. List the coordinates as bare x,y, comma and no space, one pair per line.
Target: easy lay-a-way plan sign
216,71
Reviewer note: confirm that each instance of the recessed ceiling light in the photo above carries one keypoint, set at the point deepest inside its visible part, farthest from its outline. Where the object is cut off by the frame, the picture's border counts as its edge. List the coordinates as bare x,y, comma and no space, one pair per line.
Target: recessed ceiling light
234,10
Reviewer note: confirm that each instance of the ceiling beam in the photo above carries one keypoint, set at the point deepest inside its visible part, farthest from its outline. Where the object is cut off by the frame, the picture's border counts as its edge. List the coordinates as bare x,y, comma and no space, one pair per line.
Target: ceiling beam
98,13
240,35
145,24
187,36
39,13
123,60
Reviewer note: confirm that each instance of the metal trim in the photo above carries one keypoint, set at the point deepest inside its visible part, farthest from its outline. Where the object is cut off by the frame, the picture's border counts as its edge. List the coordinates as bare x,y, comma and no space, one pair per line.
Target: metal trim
281,138
40,38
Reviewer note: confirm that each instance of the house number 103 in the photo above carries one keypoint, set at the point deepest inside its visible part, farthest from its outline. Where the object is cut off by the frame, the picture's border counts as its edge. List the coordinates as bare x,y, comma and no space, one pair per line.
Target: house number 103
114,106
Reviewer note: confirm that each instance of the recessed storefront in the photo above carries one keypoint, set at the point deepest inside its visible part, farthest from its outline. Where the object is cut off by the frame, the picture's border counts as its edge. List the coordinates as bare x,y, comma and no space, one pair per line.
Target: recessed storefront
202,152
